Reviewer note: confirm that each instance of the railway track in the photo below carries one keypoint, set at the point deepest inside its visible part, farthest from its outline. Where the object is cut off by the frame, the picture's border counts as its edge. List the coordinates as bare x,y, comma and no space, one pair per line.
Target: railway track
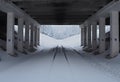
65,55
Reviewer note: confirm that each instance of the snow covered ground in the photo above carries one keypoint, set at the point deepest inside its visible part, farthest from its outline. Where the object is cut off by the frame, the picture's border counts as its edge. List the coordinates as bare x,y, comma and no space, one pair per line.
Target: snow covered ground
59,61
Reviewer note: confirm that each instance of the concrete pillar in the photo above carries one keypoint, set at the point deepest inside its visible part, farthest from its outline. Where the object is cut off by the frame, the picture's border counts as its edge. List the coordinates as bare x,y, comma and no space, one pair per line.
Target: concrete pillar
82,35
32,37
85,30
89,36
27,34
10,33
20,35
114,34
101,35
94,35
36,37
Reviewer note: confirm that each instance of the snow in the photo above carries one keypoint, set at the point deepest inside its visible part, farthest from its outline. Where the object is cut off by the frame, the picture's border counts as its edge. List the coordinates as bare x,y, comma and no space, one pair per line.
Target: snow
67,65
60,31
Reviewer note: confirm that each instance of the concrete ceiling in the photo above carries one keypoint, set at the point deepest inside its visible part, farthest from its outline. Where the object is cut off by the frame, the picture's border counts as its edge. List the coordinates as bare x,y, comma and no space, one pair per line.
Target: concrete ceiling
60,11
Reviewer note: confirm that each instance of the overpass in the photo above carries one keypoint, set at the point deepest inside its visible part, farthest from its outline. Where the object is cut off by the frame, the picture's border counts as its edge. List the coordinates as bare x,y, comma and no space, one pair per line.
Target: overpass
87,13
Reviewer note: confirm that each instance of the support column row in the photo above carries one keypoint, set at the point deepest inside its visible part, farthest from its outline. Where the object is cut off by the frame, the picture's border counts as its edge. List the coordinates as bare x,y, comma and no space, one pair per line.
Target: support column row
10,43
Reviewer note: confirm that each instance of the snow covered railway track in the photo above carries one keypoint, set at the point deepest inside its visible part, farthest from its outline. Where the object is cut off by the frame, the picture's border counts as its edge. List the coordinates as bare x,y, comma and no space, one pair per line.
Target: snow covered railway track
64,52
55,50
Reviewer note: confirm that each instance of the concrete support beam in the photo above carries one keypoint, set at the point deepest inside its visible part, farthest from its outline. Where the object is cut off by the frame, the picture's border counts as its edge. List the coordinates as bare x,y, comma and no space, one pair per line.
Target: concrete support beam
89,36
114,5
8,6
38,35
101,35
94,35
27,34
32,36
114,34
85,36
20,34
82,35
34,33
10,33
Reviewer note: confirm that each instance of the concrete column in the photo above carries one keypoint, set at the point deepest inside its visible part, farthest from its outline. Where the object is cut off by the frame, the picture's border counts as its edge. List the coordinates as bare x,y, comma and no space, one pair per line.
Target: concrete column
114,34
10,33
94,35
101,35
27,36
36,37
89,36
32,37
82,35
85,30
20,35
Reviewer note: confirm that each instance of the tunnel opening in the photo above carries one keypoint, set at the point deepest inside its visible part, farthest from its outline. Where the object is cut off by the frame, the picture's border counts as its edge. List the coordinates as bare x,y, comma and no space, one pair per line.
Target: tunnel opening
64,35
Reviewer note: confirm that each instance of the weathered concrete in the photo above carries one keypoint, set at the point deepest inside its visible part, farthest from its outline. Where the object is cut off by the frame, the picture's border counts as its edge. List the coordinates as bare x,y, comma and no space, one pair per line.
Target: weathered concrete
20,34
36,37
85,36
89,35
82,35
114,34
10,33
101,35
94,35
32,37
27,34
61,11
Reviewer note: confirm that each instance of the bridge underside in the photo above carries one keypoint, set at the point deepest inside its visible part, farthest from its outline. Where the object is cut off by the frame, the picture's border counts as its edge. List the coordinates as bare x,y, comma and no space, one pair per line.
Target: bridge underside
30,14
60,11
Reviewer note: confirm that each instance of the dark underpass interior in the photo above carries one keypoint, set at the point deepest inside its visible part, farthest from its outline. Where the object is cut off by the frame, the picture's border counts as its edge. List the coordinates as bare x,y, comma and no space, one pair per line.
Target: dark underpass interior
57,63
55,12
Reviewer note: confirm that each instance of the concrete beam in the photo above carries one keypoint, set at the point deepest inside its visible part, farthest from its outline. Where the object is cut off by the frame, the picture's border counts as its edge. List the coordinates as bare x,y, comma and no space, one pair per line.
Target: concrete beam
20,34
10,33
114,34
94,35
27,34
38,35
35,36
89,35
104,12
8,6
82,35
32,36
85,36
101,35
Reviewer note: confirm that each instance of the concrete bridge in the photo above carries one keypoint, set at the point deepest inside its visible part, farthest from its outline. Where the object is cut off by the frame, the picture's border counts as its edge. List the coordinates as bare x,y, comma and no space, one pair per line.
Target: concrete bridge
30,14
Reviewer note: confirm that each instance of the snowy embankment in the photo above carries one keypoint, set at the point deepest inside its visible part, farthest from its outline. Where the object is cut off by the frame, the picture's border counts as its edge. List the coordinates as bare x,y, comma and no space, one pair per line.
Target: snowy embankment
46,41
66,63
